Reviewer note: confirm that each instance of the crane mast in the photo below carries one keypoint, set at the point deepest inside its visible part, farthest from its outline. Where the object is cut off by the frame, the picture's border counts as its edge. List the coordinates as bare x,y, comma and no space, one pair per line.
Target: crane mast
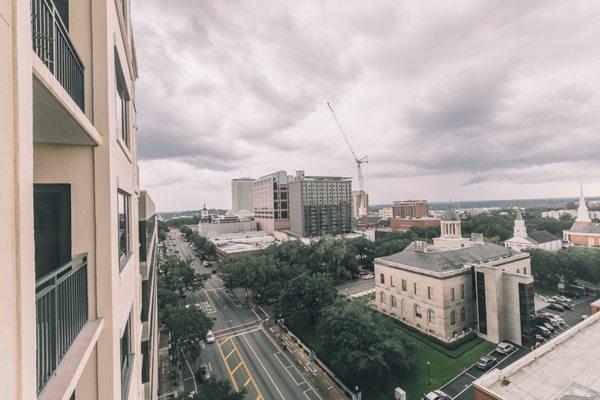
362,209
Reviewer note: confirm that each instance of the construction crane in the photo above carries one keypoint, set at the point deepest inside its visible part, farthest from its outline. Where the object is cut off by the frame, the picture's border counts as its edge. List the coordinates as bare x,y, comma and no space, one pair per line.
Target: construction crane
362,209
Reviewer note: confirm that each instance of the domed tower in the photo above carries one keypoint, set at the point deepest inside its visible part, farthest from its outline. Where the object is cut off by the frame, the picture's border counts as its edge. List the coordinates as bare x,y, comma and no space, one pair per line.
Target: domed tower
450,224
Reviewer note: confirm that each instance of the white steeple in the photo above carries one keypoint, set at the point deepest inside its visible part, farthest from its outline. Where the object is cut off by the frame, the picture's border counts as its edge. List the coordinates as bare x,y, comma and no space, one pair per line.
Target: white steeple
583,215
520,230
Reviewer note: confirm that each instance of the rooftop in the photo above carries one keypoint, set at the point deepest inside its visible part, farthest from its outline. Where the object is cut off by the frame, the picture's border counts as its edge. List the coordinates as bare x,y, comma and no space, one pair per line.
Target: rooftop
440,260
543,237
564,368
592,227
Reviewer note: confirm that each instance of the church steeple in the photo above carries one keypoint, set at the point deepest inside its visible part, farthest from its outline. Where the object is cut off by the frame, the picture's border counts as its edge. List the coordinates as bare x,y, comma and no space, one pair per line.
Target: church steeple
519,230
583,215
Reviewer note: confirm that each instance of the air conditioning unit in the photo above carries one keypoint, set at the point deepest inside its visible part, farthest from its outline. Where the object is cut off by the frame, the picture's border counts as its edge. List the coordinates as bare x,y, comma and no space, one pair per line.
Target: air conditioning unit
399,394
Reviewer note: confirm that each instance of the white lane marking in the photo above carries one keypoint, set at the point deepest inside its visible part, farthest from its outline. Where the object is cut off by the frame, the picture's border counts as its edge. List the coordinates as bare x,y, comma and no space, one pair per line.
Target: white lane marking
258,318
308,390
275,344
192,372
210,367
466,373
241,333
263,310
263,367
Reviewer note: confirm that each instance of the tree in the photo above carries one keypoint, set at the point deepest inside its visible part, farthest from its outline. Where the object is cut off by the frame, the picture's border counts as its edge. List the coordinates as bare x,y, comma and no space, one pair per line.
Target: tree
176,278
305,295
490,225
364,249
214,390
358,345
187,327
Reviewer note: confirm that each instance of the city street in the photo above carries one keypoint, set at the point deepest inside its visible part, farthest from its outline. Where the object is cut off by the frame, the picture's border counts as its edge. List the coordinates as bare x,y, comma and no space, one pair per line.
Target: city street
244,353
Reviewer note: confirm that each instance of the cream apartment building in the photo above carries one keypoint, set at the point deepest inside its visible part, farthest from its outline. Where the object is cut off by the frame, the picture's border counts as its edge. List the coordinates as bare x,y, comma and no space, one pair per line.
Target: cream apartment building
458,285
71,280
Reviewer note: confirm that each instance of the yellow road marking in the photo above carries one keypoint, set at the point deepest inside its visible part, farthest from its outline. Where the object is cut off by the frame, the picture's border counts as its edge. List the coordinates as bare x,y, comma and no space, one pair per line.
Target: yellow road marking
230,353
210,301
259,395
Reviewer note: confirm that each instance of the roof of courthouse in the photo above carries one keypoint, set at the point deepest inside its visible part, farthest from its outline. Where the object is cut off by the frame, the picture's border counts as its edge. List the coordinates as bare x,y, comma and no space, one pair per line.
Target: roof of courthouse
440,260
543,237
564,368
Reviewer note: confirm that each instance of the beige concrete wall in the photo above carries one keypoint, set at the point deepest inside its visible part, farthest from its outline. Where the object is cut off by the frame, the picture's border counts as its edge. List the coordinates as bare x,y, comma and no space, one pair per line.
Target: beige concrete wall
17,274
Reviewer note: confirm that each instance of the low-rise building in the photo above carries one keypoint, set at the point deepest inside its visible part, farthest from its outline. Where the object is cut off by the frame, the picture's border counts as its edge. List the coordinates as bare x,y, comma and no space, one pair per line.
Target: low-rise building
583,232
410,208
565,368
405,224
520,241
320,205
458,285
386,212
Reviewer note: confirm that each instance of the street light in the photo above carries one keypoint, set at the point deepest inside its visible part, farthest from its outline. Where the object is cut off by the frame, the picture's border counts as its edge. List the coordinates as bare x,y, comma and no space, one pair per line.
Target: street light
428,375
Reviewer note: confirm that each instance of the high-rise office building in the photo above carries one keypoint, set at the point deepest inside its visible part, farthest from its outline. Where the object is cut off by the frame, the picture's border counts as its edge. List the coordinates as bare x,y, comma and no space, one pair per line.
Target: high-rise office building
320,205
242,194
74,308
271,202
410,209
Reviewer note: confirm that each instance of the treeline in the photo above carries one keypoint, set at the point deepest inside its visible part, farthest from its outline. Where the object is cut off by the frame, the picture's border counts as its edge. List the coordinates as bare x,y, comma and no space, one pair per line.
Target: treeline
499,227
203,245
565,266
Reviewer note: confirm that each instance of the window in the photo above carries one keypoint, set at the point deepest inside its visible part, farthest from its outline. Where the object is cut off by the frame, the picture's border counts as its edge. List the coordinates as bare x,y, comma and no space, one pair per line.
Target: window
415,287
382,278
525,270
123,200
392,281
381,298
463,314
481,302
121,103
429,292
462,291
126,358
431,316
452,317
518,271
402,306
418,311
404,284
393,301
452,294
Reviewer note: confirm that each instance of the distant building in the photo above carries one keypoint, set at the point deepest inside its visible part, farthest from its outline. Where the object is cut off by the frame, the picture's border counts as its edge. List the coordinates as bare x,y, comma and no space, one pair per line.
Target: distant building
242,194
320,205
557,214
405,224
458,285
410,209
537,240
226,225
386,212
583,232
359,196
204,214
232,244
271,202
565,368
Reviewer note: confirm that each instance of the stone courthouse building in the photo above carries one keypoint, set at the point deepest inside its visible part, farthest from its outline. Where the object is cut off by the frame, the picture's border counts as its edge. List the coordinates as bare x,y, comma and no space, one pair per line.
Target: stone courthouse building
458,285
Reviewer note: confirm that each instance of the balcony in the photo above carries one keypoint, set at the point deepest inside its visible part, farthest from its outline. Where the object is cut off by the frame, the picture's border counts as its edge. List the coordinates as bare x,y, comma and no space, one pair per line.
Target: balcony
52,44
62,311
59,81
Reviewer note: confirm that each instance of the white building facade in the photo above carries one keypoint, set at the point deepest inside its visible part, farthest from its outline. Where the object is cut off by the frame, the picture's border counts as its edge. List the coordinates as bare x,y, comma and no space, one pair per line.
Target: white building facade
537,240
242,194
71,280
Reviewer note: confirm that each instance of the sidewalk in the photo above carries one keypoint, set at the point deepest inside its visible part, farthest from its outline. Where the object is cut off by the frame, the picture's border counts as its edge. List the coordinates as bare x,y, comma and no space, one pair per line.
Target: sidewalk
323,383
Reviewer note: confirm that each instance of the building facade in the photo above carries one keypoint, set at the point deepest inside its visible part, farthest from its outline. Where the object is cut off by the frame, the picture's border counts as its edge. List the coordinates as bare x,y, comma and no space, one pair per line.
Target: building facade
405,224
360,198
386,212
537,240
242,194
410,209
271,202
458,285
71,280
320,205
583,232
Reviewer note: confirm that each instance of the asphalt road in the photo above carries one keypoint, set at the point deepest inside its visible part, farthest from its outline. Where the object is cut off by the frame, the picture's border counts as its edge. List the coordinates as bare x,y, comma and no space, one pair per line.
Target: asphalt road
243,352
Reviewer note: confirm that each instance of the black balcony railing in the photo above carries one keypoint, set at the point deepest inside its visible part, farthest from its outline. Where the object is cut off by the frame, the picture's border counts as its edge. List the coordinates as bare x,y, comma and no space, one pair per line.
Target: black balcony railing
52,44
61,312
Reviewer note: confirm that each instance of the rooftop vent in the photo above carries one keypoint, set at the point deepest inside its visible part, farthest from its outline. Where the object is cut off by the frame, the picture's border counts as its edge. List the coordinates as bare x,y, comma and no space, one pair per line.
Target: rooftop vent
420,246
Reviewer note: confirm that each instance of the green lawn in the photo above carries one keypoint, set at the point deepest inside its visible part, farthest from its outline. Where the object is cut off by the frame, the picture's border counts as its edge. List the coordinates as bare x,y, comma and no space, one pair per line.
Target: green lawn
415,383
365,298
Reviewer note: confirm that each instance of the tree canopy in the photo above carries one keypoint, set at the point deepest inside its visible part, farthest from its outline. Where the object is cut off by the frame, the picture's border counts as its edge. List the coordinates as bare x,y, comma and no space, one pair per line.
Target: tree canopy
214,390
188,327
567,265
358,346
176,278
305,295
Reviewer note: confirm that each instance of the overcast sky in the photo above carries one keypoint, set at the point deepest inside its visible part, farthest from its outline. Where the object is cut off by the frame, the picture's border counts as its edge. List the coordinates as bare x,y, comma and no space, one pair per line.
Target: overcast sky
463,100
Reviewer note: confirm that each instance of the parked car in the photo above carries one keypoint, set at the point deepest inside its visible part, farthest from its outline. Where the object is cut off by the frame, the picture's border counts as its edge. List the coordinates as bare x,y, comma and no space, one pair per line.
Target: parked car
210,337
539,338
556,307
436,395
203,373
566,306
549,326
584,316
485,362
368,276
542,330
504,348
554,317
542,319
